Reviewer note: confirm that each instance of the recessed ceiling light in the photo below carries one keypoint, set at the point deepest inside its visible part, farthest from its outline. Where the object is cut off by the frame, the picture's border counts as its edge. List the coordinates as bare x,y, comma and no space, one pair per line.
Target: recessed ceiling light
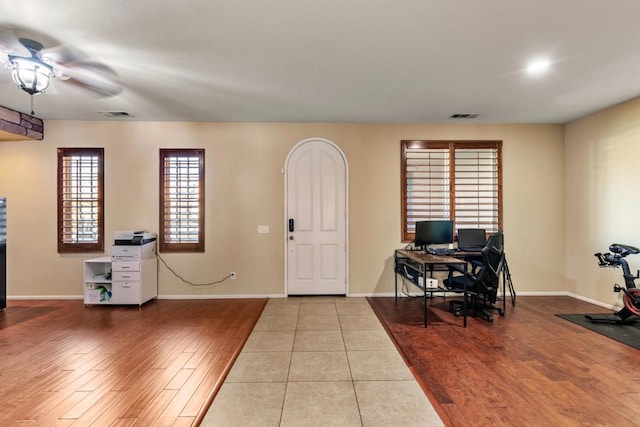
538,66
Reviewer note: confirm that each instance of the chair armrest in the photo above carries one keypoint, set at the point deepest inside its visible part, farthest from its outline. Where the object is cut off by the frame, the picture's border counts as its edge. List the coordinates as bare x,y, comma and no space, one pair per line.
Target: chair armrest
476,265
456,267
453,268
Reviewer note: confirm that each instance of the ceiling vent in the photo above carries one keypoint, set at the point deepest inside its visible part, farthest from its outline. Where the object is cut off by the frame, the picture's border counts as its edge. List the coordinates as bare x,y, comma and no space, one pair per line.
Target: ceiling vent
464,116
115,114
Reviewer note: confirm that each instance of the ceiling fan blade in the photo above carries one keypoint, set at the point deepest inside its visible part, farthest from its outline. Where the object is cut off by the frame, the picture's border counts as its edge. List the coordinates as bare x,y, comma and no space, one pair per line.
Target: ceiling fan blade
88,67
93,78
63,55
92,75
103,89
9,43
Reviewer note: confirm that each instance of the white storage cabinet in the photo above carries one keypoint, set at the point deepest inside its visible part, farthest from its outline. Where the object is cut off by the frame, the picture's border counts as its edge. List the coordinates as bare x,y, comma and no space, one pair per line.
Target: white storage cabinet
129,276
97,281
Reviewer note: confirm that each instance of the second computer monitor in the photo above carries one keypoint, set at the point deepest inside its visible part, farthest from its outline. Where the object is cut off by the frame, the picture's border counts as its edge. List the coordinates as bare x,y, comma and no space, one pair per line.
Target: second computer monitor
471,239
434,232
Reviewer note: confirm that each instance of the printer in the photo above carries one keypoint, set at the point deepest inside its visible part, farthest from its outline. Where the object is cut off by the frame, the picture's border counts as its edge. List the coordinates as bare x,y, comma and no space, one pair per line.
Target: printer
133,237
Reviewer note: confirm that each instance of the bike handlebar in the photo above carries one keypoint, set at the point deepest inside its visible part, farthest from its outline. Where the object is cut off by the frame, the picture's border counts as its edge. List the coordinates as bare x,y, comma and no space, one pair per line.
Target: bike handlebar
608,260
619,251
616,260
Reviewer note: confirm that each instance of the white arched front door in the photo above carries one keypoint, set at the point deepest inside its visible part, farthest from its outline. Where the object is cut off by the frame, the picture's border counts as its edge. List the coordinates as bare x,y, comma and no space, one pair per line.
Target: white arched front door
316,178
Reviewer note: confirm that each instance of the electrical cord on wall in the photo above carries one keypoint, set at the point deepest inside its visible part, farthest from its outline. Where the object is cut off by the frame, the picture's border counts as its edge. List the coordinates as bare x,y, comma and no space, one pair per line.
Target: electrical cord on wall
188,282
405,290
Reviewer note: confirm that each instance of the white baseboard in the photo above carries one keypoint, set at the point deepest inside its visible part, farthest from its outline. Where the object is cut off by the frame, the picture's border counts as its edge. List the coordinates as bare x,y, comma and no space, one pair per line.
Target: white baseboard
235,296
81,297
45,297
386,295
389,294
353,295
594,302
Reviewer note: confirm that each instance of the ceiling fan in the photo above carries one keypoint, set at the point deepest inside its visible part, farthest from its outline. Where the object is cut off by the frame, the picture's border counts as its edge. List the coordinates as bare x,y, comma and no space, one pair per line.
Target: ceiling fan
35,59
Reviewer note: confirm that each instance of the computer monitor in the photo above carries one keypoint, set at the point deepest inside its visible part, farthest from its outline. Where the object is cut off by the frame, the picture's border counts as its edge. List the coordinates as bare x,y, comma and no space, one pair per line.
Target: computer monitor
471,239
433,233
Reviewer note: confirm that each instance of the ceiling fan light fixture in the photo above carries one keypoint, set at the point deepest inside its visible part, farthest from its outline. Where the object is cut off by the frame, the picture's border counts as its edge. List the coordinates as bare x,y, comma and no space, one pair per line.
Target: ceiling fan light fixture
30,74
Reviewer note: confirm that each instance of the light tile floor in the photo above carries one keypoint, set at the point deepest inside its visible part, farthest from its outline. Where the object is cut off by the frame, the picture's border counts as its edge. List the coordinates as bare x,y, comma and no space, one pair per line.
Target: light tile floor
320,361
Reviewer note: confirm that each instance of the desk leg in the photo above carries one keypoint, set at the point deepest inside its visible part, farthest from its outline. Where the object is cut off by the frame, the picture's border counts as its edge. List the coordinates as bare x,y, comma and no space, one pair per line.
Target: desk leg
464,309
504,291
395,275
425,305
424,287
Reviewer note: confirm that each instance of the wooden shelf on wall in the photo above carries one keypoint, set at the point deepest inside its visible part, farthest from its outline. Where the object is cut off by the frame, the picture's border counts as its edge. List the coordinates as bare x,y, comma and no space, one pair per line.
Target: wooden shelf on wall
16,126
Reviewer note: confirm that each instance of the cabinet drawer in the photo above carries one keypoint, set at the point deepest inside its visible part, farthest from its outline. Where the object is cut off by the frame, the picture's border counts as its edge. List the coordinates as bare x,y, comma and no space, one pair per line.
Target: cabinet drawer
125,276
125,293
125,266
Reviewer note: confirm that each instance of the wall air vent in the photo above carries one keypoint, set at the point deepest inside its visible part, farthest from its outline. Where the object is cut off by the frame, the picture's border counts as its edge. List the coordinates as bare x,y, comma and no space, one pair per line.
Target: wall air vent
464,116
115,114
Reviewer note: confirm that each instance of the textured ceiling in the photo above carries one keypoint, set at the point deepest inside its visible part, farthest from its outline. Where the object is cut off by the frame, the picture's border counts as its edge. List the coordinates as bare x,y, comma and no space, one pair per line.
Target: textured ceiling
339,60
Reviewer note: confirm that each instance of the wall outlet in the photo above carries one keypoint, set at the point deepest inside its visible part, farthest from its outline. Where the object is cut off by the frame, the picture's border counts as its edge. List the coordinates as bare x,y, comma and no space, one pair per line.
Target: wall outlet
233,275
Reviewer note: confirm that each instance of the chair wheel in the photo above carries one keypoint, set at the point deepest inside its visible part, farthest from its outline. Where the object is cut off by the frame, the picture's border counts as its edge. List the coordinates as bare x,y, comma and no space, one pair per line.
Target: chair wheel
501,312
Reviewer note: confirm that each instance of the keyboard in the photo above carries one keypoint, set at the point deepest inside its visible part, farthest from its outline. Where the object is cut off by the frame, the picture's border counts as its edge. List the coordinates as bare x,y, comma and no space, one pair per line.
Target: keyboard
440,251
471,249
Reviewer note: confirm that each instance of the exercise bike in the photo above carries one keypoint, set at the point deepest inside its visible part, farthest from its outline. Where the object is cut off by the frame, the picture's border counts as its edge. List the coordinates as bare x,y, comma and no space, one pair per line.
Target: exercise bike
631,297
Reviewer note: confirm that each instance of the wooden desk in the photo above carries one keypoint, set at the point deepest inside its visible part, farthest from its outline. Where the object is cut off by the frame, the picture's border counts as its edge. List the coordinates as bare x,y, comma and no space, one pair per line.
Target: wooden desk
422,262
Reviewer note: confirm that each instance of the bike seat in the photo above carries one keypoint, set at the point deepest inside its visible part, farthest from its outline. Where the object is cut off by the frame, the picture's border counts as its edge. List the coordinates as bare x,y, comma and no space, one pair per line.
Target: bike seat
623,250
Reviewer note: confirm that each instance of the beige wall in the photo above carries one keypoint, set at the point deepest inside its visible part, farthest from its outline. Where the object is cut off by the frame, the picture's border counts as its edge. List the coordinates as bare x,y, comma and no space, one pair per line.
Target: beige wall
245,187
602,163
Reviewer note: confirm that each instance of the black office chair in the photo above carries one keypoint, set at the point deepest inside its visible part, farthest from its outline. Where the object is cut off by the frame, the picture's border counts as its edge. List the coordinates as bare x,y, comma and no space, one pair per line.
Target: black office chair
481,283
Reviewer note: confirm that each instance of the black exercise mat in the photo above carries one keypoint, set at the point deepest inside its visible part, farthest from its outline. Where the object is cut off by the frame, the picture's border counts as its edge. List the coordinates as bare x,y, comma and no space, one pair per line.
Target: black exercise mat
627,333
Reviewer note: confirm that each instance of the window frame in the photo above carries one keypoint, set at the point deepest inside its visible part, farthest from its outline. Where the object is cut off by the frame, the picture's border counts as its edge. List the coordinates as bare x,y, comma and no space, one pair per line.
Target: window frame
450,146
164,244
80,247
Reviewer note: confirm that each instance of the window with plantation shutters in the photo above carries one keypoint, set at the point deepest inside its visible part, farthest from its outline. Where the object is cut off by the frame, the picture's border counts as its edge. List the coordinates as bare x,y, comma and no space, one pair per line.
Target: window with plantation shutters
80,200
182,200
458,180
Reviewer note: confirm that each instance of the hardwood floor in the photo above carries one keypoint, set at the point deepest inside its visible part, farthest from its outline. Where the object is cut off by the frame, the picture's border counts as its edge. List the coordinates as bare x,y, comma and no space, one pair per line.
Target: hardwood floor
529,368
64,364
161,364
